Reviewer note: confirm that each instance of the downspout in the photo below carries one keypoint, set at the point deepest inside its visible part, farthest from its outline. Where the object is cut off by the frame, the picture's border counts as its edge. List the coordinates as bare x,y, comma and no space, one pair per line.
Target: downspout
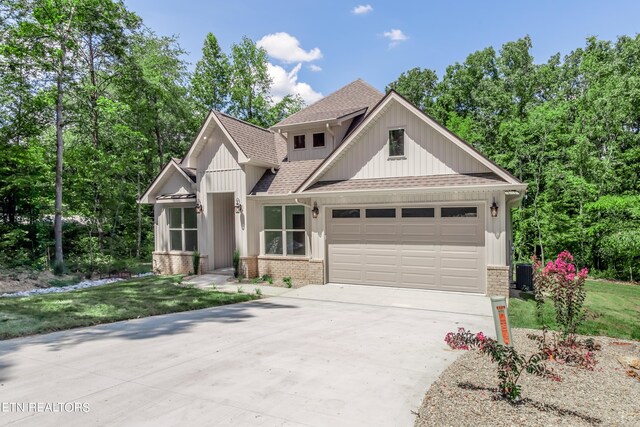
333,136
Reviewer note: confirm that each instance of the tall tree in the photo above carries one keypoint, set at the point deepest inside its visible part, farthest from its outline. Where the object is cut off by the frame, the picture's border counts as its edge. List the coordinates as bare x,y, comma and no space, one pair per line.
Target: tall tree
250,83
210,80
418,86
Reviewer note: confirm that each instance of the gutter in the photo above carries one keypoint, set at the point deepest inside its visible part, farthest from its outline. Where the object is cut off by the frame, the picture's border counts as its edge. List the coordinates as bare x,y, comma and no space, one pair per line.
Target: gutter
503,187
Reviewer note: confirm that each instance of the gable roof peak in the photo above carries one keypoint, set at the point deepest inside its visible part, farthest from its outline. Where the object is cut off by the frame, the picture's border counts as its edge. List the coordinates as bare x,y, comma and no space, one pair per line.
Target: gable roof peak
355,96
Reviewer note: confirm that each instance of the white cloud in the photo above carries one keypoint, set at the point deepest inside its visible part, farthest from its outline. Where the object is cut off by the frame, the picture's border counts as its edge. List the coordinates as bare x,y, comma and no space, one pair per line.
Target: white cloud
395,36
286,83
315,68
362,9
285,47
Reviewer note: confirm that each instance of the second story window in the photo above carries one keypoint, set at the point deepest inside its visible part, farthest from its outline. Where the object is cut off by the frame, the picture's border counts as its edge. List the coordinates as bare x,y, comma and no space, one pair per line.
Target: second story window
318,140
298,142
396,142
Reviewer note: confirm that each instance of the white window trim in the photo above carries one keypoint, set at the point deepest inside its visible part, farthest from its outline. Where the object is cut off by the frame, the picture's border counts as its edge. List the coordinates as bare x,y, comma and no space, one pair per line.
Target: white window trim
283,233
293,142
324,144
182,228
402,156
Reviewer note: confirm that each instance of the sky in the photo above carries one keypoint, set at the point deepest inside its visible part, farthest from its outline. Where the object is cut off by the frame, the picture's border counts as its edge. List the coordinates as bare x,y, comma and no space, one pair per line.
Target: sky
316,47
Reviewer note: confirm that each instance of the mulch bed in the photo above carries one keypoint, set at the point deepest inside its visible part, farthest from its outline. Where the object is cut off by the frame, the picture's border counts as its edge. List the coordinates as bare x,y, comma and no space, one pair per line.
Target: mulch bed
466,393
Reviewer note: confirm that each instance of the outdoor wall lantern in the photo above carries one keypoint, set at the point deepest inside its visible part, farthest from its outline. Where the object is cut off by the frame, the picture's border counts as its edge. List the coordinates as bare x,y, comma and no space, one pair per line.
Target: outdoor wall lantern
238,206
315,211
198,207
494,209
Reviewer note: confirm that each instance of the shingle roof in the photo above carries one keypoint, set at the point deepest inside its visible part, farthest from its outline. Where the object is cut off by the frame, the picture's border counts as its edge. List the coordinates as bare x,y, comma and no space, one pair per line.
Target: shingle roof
256,143
429,181
287,178
355,96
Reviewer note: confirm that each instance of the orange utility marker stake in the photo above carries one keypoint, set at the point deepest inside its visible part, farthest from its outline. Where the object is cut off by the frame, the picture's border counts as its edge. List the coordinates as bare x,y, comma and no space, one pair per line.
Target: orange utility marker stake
501,320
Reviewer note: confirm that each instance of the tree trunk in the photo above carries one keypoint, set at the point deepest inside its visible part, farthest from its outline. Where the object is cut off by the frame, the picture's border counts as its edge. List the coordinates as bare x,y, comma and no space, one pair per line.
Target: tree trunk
57,226
139,231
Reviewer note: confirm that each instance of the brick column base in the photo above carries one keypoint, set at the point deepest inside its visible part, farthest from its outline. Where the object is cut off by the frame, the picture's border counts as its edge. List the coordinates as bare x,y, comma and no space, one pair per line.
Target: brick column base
301,270
249,266
177,263
498,280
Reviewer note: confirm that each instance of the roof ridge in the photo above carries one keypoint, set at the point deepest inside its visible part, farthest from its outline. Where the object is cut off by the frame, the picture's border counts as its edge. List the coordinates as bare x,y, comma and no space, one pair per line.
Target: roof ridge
360,79
243,121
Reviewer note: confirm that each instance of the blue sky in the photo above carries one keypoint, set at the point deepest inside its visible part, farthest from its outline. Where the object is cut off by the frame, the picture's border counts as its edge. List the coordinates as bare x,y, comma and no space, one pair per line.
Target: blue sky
318,46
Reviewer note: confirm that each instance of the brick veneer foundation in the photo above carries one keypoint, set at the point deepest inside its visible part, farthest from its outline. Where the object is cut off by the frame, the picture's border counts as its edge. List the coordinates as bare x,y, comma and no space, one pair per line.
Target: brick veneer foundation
301,270
249,266
498,280
177,263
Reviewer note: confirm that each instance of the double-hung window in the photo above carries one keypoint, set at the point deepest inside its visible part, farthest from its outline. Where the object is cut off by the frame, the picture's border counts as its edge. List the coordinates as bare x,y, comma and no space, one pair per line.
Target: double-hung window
183,229
284,230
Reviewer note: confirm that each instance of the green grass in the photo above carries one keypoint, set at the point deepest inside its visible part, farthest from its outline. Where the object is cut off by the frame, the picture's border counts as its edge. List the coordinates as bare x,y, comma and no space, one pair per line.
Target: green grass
104,304
612,309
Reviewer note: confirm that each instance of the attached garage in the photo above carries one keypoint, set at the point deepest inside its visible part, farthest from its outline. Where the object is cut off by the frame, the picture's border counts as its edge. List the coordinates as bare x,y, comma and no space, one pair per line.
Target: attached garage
425,247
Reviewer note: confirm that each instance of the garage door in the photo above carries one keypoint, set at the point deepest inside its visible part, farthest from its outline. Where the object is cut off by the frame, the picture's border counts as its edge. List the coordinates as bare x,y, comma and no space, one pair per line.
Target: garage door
435,247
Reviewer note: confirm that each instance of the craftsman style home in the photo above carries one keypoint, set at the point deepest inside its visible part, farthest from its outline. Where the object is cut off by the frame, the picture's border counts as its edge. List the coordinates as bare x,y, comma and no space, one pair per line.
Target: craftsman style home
358,188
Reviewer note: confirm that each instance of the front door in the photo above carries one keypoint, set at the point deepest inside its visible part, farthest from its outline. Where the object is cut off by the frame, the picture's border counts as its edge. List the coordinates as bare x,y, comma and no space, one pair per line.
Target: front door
224,230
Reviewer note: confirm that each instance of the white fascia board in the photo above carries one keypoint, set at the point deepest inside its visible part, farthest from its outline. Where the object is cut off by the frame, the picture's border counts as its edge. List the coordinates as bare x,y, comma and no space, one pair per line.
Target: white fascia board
144,199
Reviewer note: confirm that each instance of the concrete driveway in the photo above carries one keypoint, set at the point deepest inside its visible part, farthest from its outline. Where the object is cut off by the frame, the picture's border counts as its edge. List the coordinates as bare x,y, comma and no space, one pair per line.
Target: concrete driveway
320,355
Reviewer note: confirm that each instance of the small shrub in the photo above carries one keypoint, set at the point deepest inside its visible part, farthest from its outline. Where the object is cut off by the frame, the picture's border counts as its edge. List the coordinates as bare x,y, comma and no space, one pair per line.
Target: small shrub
561,281
572,352
240,278
236,263
511,364
59,268
240,290
287,281
267,278
258,292
57,283
256,280
196,262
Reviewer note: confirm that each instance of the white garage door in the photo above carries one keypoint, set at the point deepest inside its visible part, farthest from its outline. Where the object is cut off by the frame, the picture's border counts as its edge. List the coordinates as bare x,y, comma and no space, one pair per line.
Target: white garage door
435,247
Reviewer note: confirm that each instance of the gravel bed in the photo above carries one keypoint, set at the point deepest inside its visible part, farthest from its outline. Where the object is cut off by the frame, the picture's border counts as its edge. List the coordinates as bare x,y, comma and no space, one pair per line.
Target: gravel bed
465,394
82,285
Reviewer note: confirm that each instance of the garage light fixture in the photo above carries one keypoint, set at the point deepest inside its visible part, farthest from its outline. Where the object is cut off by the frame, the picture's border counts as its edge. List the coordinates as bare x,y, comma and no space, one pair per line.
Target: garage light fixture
494,209
238,206
198,207
315,211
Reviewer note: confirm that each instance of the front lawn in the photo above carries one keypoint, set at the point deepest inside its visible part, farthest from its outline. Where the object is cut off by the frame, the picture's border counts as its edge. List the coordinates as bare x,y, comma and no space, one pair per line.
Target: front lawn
104,304
612,309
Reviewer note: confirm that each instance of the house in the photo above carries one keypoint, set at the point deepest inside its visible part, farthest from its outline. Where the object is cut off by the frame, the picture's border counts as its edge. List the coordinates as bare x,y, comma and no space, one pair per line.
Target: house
358,188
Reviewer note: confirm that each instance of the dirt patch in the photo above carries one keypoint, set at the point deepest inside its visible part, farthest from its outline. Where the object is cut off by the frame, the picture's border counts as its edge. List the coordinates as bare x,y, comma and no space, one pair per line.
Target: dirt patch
465,394
17,280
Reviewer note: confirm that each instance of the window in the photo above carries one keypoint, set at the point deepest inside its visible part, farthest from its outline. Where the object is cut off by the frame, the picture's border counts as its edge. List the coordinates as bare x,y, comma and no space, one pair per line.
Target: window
183,229
284,224
298,142
459,212
396,142
318,140
381,213
345,213
418,213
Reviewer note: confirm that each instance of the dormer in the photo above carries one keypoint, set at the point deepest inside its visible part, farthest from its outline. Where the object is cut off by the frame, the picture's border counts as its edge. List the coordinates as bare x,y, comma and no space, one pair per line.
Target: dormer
316,131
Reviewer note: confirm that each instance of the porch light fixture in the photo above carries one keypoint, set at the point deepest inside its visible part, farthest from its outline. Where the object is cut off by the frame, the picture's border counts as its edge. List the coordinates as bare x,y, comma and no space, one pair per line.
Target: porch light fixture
494,209
238,206
198,207
315,211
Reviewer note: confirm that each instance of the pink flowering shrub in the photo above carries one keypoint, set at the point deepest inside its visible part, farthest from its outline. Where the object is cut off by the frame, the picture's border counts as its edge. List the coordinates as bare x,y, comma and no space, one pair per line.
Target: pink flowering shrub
511,364
560,281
